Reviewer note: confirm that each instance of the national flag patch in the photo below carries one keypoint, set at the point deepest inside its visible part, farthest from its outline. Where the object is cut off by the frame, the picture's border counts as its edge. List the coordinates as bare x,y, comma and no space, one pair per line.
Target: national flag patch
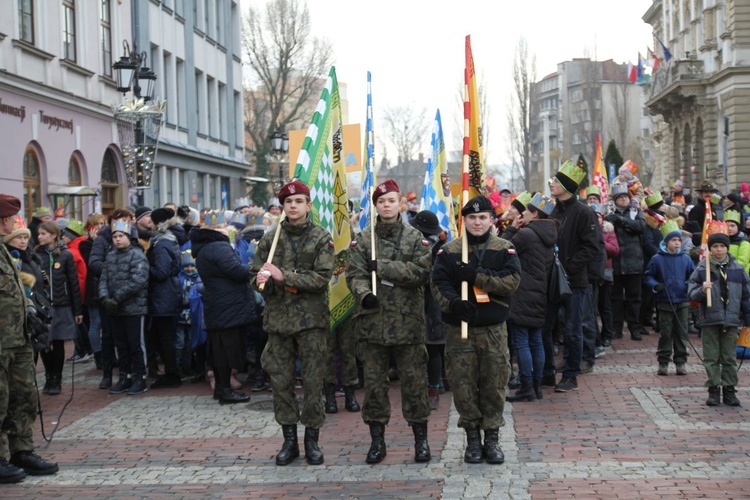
512,251
330,243
353,243
425,243
440,251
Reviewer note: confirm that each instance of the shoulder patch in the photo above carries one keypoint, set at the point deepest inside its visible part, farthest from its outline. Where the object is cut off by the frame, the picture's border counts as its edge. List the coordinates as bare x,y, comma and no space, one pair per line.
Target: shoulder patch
353,243
512,251
330,243
425,243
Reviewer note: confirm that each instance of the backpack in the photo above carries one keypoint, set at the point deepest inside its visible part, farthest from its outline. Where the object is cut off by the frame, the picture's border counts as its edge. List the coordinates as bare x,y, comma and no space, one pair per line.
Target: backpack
39,320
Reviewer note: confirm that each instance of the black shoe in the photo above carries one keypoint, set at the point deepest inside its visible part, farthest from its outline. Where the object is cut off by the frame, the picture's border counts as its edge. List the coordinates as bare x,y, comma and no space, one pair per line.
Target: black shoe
122,385
260,381
290,449
549,381
330,402
167,381
586,367
33,464
537,385
313,455
421,448
55,384
567,384
636,335
377,451
713,396
606,343
730,396
473,453
491,449
9,473
350,399
106,382
514,382
228,396
138,386
98,360
524,393
617,335
47,382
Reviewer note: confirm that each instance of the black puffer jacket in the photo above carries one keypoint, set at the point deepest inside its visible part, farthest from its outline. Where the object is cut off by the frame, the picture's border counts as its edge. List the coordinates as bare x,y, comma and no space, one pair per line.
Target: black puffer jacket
535,245
164,294
60,270
629,229
228,301
30,264
101,246
577,239
125,279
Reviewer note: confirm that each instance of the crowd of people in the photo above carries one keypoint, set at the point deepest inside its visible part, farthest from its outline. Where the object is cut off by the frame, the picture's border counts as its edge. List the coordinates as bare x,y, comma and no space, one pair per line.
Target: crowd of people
170,295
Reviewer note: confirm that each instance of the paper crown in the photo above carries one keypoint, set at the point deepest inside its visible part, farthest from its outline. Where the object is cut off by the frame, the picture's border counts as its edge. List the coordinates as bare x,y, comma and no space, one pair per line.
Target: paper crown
670,227
522,200
733,216
242,202
274,202
236,218
594,190
630,167
215,218
42,211
194,217
597,208
18,222
76,227
654,200
618,190
541,202
186,258
572,172
122,226
717,227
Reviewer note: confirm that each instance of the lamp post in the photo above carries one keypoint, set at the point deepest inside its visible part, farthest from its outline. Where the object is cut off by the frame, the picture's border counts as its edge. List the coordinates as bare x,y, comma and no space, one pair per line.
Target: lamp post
139,120
279,148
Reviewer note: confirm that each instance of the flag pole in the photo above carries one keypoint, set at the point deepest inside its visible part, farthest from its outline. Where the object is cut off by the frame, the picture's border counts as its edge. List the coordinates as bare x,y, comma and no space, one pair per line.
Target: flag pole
708,257
274,243
465,185
373,218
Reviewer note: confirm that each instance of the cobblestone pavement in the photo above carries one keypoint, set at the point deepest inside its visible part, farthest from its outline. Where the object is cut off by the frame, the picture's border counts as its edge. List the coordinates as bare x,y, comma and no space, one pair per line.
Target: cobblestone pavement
626,433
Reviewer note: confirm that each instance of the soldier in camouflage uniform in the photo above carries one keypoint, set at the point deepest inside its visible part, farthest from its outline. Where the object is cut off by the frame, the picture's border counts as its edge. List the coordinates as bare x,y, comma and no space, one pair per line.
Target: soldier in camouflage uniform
296,318
18,398
478,367
391,322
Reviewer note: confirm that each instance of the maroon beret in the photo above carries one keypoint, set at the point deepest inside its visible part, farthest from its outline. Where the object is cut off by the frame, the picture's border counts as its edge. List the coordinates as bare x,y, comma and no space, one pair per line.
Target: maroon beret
387,186
291,189
9,205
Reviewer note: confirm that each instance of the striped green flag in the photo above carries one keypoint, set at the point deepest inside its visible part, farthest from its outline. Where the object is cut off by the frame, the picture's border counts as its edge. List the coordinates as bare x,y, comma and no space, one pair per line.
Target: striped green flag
320,166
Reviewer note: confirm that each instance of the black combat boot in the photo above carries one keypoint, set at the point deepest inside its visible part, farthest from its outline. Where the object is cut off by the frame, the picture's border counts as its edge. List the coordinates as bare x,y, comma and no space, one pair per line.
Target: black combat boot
33,464
313,455
290,449
330,392
55,384
492,452
47,382
9,473
713,396
524,393
260,381
421,448
515,381
377,451
122,385
473,453
730,396
350,399
106,382
537,383
228,396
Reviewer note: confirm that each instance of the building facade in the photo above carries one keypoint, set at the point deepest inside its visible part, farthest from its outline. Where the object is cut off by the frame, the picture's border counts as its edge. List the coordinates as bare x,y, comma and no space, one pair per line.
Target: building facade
700,98
57,92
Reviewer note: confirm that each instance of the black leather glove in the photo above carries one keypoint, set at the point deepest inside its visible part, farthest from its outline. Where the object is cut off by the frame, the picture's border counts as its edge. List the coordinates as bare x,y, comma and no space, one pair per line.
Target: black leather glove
464,309
370,301
466,272
110,305
372,266
659,287
613,218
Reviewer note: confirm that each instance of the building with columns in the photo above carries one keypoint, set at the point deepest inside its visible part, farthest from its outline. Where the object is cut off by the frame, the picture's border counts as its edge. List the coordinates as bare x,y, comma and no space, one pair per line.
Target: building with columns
700,98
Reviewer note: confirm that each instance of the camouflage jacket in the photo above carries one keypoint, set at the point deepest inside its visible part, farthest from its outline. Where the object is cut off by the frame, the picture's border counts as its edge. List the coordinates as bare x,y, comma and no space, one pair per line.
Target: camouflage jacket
304,254
12,303
403,269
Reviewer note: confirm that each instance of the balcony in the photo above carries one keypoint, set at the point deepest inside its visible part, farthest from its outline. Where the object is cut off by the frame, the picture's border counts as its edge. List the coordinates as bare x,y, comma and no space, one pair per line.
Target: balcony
675,87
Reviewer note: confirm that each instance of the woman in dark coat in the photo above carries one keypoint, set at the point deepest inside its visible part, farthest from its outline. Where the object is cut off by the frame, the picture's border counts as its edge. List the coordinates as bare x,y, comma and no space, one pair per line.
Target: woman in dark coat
229,304
61,280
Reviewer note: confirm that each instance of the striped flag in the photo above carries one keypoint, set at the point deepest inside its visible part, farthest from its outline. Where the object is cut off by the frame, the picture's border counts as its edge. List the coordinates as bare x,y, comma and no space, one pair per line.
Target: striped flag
320,166
600,175
368,166
476,141
436,192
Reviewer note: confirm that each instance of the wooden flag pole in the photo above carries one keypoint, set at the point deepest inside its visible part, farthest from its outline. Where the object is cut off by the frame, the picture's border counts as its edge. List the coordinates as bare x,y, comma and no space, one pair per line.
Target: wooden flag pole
273,246
373,219
465,186
709,217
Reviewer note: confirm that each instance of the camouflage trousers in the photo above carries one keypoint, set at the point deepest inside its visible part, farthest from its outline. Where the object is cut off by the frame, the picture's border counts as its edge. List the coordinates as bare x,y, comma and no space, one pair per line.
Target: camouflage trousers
344,337
411,362
278,360
478,369
18,399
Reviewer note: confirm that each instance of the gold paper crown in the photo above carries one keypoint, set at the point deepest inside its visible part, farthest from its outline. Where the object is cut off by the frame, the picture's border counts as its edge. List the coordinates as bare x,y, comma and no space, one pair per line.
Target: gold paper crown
669,227
572,172
595,190
214,218
733,216
630,167
542,203
717,227
122,226
524,198
654,199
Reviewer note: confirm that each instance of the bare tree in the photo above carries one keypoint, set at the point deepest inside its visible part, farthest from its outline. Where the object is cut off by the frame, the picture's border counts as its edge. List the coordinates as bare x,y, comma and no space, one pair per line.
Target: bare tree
586,109
407,130
619,120
519,113
286,66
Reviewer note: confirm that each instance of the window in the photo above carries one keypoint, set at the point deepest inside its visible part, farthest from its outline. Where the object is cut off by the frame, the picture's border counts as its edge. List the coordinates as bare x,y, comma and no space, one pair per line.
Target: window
74,179
110,183
105,36
210,105
69,30
222,110
26,20
181,101
32,193
167,90
199,91
206,17
217,21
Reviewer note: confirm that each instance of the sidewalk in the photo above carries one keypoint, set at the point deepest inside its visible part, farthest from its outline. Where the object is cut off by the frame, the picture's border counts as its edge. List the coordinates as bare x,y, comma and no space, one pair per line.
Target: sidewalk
627,433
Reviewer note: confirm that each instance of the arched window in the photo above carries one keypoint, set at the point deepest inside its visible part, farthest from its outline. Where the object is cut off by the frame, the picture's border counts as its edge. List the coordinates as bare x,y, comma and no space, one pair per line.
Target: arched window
74,208
32,192
110,183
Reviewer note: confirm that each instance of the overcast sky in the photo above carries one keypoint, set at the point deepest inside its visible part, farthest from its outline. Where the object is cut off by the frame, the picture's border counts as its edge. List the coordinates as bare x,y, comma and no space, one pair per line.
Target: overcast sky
415,49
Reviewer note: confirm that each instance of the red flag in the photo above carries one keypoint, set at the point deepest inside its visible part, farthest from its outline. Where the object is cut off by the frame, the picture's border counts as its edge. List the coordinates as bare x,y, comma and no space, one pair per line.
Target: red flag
655,58
632,73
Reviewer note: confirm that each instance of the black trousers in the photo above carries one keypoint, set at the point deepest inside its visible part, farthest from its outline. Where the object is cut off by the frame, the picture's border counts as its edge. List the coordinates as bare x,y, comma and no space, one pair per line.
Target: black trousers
163,331
227,348
626,302
127,333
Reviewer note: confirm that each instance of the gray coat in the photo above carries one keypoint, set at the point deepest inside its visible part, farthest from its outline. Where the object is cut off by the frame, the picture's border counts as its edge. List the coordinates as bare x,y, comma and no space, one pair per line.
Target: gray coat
125,279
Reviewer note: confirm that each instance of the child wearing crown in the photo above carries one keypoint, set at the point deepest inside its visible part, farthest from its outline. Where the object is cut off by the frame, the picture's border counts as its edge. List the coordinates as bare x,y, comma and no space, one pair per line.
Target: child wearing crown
729,287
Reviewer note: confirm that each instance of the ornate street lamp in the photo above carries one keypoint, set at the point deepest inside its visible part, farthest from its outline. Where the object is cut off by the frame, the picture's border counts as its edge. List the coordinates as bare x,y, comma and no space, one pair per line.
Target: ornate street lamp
280,147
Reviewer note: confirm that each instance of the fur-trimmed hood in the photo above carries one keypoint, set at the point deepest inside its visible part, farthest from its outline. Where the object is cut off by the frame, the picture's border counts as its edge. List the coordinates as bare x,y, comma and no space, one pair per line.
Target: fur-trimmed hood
27,279
608,227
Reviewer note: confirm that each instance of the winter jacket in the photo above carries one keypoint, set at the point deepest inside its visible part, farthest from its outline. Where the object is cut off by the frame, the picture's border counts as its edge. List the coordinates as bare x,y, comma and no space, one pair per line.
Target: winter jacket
673,270
60,270
433,320
698,212
595,267
304,254
403,270
187,283
651,239
125,279
164,295
739,247
498,274
576,239
228,301
13,303
535,246
101,247
74,248
31,264
735,291
629,226
611,245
